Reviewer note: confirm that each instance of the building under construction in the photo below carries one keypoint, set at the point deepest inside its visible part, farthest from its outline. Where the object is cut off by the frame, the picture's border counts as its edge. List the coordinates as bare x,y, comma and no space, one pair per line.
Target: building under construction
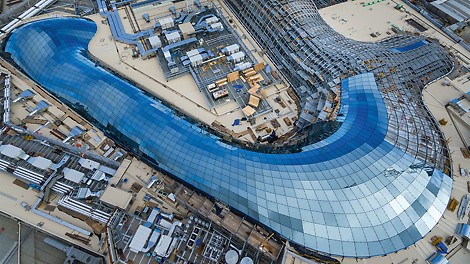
314,57
377,185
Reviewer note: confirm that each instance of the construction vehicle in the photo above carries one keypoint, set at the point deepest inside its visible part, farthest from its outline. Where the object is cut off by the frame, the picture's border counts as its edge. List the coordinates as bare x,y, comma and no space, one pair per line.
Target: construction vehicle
439,244
28,137
264,247
437,258
453,203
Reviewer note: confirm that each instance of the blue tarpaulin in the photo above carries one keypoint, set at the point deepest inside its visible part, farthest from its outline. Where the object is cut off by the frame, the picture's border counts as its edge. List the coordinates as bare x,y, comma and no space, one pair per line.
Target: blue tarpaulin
411,46
236,122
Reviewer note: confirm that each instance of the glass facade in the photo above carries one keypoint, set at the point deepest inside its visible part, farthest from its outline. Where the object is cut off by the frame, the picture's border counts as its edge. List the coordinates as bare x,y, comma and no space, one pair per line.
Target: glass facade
353,194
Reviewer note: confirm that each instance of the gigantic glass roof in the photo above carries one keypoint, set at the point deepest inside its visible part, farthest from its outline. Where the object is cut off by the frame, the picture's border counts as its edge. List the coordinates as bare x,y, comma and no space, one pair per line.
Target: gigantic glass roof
352,194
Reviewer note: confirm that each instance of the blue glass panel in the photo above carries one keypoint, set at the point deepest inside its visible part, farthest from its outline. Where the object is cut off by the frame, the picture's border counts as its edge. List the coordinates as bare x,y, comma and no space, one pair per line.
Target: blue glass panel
349,189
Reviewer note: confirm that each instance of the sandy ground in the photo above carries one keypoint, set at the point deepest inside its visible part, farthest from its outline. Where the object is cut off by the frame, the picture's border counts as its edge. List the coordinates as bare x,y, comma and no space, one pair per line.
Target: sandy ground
348,19
183,92
357,22
435,96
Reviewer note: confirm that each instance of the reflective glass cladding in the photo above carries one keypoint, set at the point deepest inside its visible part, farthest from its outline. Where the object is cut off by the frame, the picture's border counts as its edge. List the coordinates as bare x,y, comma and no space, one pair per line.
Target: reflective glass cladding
351,194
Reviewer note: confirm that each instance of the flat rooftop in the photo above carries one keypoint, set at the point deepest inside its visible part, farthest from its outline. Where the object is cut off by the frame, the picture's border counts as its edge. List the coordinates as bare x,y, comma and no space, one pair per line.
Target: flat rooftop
457,9
183,92
348,19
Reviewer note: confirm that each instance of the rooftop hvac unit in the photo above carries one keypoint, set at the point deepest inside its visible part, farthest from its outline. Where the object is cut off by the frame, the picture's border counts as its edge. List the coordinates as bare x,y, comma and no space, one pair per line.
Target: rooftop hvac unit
173,37
217,26
155,41
237,57
211,20
166,22
40,107
196,60
231,49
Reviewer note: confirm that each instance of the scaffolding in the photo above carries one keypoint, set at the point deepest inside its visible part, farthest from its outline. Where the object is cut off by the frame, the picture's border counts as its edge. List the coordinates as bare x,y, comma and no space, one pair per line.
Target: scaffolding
311,56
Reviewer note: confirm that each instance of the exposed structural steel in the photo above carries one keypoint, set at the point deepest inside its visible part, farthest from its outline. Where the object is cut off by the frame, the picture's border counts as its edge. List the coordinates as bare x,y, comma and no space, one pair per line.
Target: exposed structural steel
311,54
374,187
34,10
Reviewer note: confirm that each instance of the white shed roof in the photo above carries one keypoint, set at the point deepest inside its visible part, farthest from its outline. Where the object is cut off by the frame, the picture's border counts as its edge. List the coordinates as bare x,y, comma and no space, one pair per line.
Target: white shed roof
237,55
73,175
155,41
163,245
165,224
139,239
166,20
40,162
233,47
211,20
217,25
192,53
195,58
173,35
88,164
11,151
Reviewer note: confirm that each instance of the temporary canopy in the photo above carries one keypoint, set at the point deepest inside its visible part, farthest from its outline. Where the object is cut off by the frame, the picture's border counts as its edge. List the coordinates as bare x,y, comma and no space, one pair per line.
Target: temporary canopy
139,239
73,175
248,110
254,101
40,162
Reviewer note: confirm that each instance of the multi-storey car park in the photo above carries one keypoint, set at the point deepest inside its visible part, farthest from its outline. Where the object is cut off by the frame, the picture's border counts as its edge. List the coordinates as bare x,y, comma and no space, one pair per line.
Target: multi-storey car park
378,184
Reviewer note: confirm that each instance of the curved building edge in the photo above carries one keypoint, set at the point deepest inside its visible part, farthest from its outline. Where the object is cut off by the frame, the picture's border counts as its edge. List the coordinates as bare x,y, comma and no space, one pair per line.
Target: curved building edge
322,177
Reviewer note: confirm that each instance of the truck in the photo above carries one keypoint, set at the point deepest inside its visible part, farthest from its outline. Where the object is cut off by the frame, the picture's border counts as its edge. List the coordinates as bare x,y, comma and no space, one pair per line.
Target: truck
437,241
437,258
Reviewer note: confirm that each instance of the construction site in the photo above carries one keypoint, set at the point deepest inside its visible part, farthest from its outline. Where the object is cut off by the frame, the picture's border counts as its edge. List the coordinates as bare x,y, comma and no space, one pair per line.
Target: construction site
233,132
80,179
240,96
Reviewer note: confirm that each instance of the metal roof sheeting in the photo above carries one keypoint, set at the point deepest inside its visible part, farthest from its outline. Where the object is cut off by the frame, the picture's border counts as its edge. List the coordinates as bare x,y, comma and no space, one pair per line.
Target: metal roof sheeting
140,238
40,162
73,175
11,151
458,9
